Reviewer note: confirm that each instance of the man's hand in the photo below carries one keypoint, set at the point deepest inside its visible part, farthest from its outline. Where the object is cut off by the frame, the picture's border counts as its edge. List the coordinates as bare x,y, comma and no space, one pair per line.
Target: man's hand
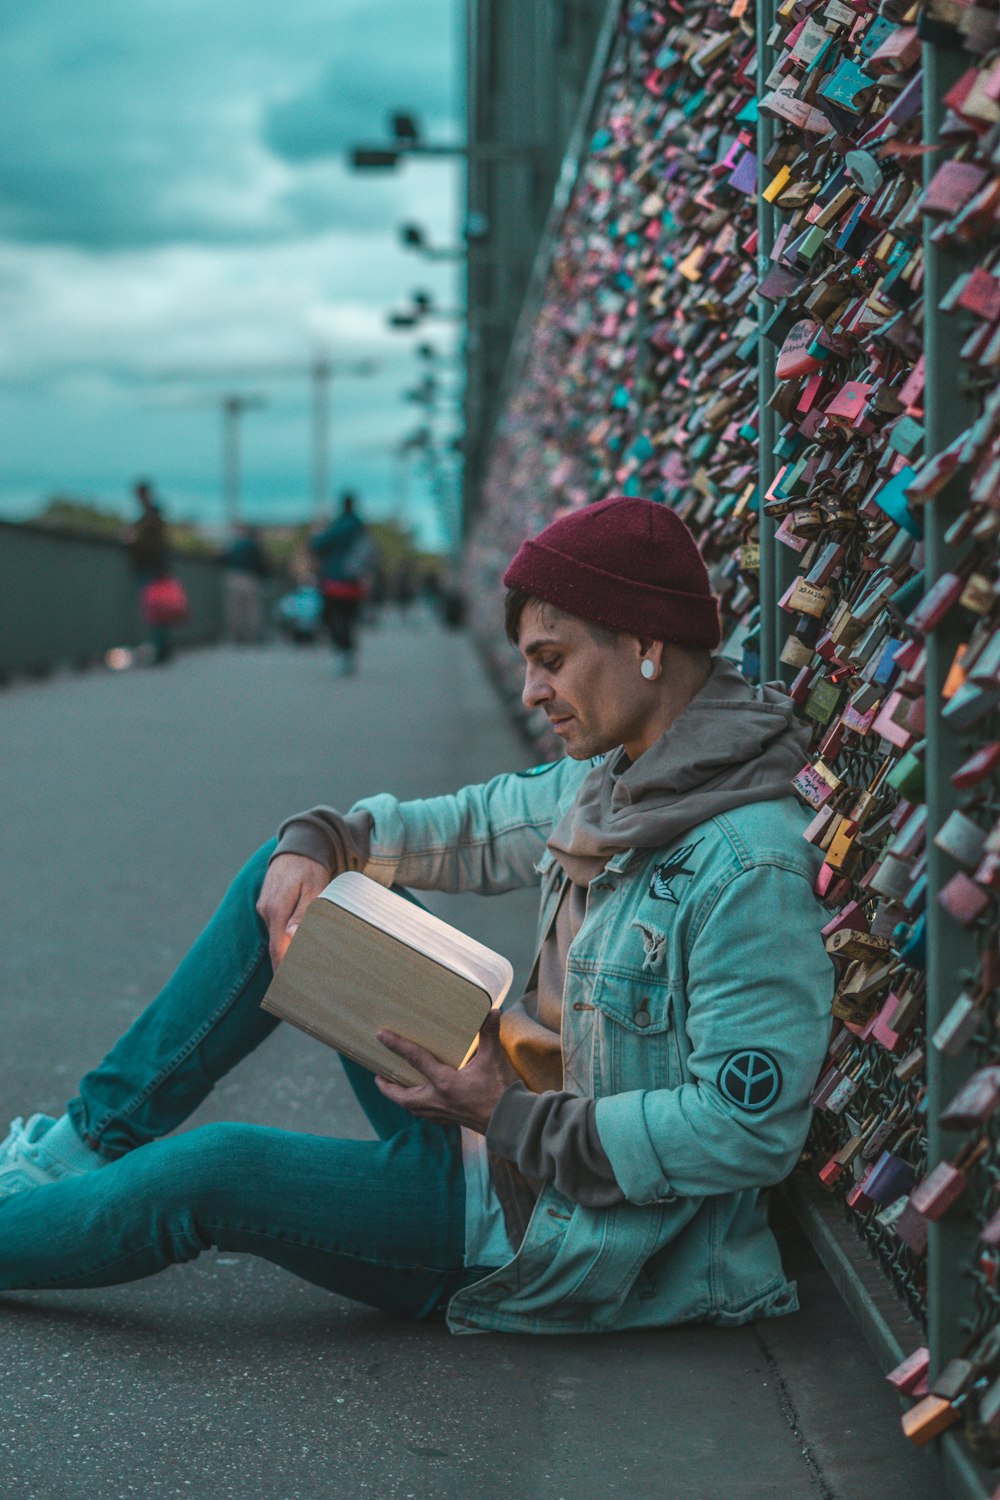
292,881
459,1096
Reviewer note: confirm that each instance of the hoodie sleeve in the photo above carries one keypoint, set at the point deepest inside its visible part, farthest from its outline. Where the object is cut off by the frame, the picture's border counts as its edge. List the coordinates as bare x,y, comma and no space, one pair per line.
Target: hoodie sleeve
553,1137
337,841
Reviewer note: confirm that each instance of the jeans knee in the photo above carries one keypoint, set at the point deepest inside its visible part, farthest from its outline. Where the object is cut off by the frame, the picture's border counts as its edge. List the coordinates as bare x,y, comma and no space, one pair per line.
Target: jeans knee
217,1171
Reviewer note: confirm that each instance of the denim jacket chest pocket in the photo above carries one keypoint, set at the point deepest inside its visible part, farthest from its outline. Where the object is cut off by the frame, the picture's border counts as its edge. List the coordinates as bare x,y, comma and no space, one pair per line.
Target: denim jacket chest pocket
635,1032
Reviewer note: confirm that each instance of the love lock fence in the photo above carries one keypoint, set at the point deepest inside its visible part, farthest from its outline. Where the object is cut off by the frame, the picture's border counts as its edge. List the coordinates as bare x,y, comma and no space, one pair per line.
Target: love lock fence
770,298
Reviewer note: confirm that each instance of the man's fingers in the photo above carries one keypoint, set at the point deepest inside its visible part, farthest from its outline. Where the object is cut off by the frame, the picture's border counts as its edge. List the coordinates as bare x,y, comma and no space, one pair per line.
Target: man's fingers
411,1096
278,945
425,1062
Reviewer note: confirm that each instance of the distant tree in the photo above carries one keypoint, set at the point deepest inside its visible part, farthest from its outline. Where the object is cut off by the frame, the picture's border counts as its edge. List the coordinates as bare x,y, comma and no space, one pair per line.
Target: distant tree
70,513
286,545
84,517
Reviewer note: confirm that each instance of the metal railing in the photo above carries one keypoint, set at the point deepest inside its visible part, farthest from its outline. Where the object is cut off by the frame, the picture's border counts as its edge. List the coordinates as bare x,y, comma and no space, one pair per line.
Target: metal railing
66,599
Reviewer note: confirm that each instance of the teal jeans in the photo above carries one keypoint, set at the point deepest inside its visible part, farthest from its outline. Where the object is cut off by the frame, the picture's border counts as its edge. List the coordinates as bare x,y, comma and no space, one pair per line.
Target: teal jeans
381,1221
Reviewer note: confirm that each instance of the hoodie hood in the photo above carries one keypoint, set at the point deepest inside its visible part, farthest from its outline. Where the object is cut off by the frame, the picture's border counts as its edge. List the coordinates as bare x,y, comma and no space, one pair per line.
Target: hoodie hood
733,744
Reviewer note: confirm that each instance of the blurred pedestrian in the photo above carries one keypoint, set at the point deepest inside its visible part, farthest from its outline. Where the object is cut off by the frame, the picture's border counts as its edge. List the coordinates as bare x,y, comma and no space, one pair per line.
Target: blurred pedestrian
403,587
345,552
246,567
430,592
146,541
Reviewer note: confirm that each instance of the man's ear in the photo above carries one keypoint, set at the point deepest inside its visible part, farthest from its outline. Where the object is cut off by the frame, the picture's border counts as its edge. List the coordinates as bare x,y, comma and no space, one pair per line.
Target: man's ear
649,650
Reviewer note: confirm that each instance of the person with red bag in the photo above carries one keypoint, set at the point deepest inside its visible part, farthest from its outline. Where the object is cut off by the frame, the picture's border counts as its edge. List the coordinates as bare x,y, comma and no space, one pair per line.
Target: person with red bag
162,600
346,553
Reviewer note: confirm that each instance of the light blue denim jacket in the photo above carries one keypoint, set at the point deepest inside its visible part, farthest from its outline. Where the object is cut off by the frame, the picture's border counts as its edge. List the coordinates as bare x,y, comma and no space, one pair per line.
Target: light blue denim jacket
696,1012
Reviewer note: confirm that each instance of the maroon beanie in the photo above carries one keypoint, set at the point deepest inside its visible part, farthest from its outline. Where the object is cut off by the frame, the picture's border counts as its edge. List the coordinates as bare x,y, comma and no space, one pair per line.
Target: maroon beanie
624,563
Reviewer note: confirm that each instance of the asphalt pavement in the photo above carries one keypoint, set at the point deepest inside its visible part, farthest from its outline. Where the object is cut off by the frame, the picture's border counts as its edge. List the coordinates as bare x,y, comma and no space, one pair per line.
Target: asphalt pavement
127,801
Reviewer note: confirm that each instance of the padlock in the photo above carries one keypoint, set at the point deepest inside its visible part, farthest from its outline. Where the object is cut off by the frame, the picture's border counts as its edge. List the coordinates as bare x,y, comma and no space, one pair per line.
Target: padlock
856,997
910,1066
830,887
911,1227
822,826
816,783
990,1232
879,1028
850,944
842,853
911,1371
946,1182
963,898
891,1176
878,1137
891,878
959,1023
974,1103
907,776
869,800
856,1197
953,1379
806,599
908,840
849,918
928,1419
841,1095
935,604
961,837
827,1082
832,1170
910,1006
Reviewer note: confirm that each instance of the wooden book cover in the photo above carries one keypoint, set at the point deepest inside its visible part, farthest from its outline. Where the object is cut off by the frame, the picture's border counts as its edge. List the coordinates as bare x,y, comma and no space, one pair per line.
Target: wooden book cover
364,959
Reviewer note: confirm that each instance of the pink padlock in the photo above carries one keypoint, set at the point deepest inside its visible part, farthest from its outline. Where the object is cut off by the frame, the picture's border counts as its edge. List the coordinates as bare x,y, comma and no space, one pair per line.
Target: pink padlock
963,898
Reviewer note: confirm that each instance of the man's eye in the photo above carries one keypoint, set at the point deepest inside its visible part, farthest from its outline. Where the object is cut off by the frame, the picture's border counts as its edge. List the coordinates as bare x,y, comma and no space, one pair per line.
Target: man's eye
550,663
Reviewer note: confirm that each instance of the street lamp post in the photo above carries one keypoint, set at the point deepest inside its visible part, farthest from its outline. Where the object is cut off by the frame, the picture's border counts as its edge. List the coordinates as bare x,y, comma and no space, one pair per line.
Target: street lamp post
233,407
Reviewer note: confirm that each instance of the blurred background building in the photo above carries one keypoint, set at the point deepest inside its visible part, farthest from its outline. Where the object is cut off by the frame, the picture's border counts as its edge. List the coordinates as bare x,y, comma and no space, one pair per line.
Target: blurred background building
527,72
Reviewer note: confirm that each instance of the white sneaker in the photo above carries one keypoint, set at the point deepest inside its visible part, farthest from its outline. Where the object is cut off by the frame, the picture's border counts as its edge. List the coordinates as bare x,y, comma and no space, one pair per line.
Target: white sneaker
24,1162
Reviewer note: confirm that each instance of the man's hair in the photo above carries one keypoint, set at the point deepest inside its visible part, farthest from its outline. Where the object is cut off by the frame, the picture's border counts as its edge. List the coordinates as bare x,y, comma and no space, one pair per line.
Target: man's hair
516,602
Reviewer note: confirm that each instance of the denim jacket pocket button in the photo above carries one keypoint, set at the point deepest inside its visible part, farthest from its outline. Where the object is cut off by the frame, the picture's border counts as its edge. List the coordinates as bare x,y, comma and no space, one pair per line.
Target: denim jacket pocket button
642,1017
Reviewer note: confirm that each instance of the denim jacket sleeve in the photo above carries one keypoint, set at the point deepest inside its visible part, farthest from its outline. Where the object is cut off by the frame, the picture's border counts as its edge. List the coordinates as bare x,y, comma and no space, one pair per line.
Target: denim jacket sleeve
758,991
486,838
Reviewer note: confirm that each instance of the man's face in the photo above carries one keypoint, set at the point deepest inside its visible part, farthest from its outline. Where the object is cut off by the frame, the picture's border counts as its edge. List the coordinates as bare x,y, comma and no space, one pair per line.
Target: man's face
591,690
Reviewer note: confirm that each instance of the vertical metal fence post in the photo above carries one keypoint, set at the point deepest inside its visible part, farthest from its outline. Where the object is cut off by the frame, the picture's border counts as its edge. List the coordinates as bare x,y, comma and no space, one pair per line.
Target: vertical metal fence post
767,426
948,410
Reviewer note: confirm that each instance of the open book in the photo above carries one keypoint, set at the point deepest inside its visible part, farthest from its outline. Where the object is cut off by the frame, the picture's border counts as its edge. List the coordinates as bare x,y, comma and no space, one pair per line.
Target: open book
364,959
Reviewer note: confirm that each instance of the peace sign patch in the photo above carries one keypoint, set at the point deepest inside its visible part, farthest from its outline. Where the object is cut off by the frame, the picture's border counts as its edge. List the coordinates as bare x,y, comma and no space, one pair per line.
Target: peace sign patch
750,1079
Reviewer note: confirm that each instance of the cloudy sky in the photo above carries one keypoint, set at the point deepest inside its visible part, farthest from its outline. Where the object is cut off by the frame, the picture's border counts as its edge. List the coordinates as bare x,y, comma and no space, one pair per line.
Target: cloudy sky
173,197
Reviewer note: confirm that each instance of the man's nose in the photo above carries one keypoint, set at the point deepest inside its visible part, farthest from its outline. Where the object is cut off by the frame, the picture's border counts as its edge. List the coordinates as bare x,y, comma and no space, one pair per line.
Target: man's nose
536,689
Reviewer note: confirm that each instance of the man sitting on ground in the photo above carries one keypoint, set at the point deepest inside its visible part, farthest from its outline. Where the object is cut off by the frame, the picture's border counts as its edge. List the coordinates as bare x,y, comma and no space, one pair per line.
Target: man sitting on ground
602,1161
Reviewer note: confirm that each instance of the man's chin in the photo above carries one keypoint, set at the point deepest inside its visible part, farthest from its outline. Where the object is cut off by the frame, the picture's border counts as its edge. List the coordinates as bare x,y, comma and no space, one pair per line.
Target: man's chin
581,750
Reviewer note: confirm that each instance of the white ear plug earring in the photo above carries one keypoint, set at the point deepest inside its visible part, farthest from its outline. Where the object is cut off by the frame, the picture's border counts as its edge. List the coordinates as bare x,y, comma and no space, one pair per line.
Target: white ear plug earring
648,669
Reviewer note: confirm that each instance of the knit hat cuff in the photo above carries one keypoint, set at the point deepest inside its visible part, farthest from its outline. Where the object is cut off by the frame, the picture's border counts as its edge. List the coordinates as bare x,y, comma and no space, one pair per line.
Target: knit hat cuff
590,593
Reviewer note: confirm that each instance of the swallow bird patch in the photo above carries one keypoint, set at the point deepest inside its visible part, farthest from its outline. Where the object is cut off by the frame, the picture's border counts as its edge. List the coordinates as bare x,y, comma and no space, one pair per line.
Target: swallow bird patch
661,881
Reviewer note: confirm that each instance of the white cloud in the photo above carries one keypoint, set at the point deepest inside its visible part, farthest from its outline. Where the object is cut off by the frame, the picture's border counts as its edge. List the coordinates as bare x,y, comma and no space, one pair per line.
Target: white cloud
153,216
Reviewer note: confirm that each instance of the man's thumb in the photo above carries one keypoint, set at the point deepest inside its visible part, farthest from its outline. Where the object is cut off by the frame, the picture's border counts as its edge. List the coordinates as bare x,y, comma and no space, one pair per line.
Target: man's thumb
490,1029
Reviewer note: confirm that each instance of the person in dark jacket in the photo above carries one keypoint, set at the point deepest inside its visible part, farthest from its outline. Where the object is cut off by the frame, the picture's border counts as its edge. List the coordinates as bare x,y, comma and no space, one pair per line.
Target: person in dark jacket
148,554
345,552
